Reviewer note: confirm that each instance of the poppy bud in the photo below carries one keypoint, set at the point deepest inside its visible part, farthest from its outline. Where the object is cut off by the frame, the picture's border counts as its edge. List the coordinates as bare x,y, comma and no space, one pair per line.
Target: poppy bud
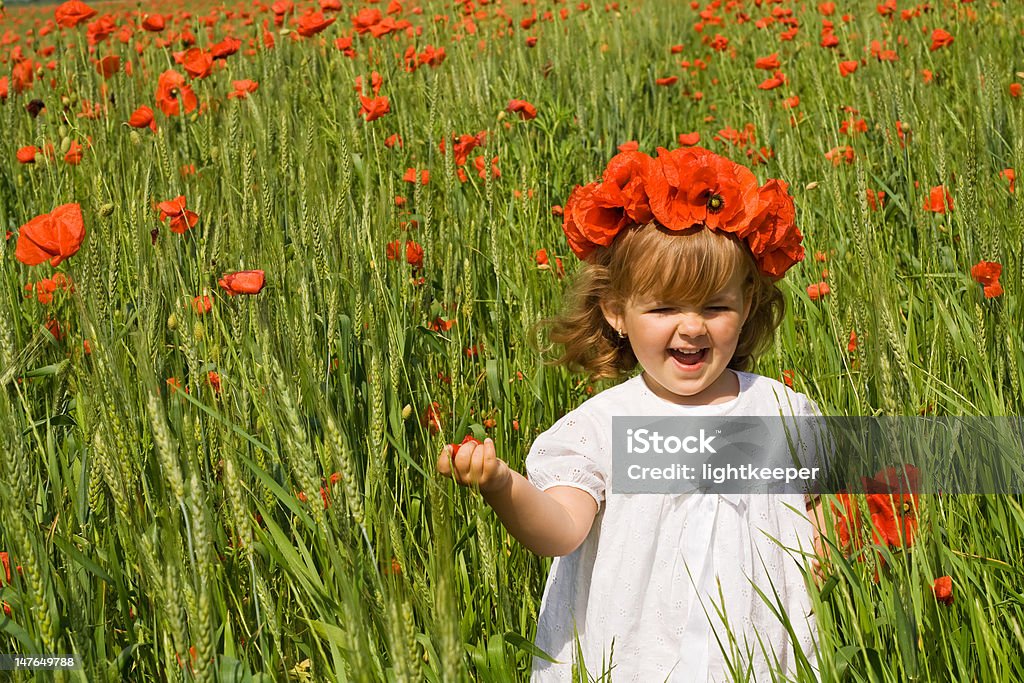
501,115
74,98
811,186
107,209
65,101
65,145
406,411
172,322
62,131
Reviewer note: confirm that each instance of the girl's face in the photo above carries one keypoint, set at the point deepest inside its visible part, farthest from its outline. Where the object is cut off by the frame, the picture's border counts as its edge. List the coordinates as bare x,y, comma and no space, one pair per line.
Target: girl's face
685,349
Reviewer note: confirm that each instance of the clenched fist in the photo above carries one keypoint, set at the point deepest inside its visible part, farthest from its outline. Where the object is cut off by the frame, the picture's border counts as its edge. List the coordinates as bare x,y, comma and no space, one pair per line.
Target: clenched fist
472,463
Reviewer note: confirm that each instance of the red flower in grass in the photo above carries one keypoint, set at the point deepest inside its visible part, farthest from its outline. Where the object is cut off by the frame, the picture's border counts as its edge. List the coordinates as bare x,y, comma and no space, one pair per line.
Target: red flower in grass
891,498
939,200
986,274
942,588
242,89
313,23
372,108
172,94
940,38
1009,175
769,63
181,218
27,154
847,67
242,282
197,63
52,237
73,13
431,418
818,290
523,108
142,117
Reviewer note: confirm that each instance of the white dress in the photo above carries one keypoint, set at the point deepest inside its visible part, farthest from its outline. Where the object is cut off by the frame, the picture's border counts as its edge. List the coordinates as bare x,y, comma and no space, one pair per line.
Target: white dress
638,575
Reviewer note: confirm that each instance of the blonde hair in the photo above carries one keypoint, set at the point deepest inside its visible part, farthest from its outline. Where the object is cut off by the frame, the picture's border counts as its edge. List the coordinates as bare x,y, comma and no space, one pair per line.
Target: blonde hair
650,260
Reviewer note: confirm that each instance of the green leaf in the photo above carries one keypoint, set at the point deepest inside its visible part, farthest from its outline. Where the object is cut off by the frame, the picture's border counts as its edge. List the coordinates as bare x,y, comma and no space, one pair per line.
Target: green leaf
520,643
906,638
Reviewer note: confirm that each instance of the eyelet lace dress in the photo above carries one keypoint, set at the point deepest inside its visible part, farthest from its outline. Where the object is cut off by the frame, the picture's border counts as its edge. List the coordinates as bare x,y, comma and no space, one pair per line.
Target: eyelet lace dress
656,569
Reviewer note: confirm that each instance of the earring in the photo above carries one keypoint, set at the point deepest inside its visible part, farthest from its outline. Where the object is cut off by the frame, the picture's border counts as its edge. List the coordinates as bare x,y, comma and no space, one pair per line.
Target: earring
622,335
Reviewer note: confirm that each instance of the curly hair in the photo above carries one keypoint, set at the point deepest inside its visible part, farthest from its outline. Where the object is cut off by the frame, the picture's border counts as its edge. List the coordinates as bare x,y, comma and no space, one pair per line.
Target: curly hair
649,260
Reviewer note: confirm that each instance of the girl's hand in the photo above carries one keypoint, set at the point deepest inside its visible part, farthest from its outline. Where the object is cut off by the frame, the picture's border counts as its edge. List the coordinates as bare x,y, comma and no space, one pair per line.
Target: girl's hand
475,464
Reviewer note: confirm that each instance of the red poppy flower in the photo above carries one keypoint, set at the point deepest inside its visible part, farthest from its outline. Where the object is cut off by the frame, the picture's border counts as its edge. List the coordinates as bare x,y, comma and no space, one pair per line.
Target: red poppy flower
197,63
242,89
181,218
1016,89
1010,175
432,417
74,154
172,94
541,257
667,80
940,38
986,274
689,139
818,290
942,588
468,439
52,237
694,186
847,67
414,254
214,379
838,155
27,154
775,240
154,23
108,66
242,282
372,108
875,199
142,117
73,13
769,63
202,304
313,23
852,346
775,81
525,110
939,200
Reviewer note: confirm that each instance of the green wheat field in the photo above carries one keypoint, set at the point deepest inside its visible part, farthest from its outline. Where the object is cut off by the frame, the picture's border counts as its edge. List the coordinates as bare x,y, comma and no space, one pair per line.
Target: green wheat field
199,484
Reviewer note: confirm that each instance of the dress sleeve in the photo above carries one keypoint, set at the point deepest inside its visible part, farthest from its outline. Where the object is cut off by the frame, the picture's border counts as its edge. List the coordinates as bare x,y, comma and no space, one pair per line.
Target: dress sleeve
570,453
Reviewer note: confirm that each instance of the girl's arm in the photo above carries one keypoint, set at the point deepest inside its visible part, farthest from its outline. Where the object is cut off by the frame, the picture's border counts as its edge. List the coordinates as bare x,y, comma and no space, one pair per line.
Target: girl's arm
550,523
815,513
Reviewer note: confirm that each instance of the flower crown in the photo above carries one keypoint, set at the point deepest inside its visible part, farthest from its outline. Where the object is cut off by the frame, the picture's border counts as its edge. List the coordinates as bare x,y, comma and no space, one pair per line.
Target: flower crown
689,187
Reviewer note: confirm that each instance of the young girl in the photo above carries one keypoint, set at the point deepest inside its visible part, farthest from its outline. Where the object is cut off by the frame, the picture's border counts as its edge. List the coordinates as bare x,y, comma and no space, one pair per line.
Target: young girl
683,252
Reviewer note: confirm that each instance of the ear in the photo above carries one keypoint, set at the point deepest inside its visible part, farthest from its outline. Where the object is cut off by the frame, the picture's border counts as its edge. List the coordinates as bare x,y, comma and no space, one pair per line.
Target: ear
613,315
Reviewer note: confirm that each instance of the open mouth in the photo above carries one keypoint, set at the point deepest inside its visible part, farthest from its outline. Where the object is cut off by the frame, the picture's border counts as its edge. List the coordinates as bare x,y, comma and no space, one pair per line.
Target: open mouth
686,358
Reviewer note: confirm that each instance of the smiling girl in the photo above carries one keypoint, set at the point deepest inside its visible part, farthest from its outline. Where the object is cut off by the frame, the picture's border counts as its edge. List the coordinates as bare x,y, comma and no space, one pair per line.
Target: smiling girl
682,253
